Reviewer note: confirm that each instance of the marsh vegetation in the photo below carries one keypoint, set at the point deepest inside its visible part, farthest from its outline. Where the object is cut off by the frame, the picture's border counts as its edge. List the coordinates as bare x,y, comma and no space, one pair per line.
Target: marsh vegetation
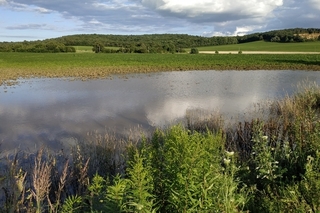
270,163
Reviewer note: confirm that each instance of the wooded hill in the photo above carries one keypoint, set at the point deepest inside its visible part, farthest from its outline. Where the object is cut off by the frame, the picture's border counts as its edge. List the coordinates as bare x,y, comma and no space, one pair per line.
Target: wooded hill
153,43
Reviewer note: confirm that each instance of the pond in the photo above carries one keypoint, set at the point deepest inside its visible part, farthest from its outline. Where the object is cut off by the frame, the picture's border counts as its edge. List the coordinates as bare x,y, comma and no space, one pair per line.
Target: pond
58,112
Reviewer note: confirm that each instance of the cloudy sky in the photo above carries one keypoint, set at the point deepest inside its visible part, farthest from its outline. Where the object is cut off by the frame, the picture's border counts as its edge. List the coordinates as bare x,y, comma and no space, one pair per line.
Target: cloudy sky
40,19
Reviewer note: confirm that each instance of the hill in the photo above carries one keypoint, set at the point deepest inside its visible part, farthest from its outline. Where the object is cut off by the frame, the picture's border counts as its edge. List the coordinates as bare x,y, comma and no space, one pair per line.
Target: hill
154,43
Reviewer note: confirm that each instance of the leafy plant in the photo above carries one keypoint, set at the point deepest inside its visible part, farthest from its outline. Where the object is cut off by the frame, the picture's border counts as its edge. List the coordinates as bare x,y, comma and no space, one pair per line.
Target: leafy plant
72,204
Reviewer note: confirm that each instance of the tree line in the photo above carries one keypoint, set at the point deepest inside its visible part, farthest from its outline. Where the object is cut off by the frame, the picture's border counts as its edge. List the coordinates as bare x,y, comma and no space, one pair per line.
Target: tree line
285,35
36,47
153,43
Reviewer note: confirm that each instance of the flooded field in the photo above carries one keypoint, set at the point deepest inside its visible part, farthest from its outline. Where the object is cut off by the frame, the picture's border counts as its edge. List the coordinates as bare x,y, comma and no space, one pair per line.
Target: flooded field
58,112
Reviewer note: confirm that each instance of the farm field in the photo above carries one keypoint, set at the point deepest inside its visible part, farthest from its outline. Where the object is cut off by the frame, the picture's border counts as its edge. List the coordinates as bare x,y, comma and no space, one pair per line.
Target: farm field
88,49
28,65
267,46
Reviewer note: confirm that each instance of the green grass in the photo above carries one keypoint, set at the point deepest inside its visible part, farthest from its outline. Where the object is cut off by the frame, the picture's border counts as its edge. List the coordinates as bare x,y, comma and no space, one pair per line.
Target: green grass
88,49
83,49
26,65
267,46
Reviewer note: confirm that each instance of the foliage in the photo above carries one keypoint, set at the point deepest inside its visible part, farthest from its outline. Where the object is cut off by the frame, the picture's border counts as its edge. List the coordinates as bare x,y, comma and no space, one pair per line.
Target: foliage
153,43
72,204
285,35
194,51
189,174
36,47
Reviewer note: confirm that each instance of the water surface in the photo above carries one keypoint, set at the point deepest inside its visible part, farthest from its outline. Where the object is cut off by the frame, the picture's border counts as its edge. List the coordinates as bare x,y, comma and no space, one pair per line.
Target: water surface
58,112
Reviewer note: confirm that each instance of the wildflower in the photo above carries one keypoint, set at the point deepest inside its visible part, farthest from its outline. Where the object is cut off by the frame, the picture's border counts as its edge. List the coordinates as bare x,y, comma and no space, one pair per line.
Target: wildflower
139,207
309,158
265,137
229,154
226,161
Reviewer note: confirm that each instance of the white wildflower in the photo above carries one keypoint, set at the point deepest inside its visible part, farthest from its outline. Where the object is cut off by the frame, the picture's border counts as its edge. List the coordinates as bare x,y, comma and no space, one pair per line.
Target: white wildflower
229,154
226,161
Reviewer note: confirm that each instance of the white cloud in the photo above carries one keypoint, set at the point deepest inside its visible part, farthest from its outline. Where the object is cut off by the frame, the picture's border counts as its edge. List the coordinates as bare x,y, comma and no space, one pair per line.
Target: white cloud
42,10
31,27
244,30
94,21
315,4
214,10
197,17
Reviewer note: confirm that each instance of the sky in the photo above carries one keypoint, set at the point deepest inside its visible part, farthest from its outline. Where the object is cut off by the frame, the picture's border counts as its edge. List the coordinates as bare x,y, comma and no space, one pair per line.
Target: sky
41,19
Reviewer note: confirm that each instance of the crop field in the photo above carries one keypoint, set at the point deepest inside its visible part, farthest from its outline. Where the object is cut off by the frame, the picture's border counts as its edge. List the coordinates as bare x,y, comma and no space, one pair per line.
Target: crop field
83,66
88,49
267,46
83,49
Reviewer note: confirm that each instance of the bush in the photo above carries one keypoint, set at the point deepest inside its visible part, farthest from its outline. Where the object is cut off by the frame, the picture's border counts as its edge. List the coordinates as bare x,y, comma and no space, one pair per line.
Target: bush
194,51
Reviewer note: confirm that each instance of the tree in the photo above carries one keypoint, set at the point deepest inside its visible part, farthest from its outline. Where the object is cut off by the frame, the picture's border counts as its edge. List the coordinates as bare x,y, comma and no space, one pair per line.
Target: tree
98,47
194,51
275,39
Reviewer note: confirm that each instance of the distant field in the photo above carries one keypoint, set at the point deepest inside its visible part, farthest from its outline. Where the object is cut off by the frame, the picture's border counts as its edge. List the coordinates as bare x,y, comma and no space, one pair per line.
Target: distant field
84,66
83,49
267,46
88,49
251,46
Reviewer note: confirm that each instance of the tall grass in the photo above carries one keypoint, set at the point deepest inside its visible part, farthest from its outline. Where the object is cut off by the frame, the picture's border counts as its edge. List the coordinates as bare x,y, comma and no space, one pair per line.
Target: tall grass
267,164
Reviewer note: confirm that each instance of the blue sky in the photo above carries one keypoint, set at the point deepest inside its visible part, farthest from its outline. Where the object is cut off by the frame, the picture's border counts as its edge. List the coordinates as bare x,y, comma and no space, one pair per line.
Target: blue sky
40,19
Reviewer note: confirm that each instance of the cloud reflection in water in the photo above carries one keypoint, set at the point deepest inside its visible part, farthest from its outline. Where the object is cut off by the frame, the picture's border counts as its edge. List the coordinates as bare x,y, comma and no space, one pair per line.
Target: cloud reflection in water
55,111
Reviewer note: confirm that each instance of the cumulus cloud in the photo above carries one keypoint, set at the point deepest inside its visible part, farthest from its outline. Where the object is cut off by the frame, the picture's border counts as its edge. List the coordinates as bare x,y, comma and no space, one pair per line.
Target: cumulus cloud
214,10
199,17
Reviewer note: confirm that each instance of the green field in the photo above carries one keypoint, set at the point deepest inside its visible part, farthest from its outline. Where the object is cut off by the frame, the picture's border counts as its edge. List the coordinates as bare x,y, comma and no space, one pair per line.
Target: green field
83,49
88,49
27,65
267,46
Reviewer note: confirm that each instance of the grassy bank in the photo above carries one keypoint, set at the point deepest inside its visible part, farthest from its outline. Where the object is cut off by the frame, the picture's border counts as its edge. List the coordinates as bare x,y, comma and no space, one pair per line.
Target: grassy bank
28,65
268,164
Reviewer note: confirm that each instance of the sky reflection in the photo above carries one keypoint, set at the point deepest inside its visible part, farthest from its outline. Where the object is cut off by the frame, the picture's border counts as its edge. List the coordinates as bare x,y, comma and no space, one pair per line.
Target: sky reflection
55,111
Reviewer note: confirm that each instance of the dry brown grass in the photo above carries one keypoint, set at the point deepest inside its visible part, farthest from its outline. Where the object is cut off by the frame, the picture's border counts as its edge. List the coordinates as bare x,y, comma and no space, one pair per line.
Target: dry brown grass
41,181
312,36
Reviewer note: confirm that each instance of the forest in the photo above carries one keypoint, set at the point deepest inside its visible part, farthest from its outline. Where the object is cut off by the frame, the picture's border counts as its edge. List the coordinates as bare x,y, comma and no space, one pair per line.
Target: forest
153,43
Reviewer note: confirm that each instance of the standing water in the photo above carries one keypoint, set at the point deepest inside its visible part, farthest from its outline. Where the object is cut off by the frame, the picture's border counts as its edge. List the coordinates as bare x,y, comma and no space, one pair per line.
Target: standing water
57,112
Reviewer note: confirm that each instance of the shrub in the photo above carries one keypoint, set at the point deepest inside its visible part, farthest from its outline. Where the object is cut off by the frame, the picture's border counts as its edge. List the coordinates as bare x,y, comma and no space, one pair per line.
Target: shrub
194,51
